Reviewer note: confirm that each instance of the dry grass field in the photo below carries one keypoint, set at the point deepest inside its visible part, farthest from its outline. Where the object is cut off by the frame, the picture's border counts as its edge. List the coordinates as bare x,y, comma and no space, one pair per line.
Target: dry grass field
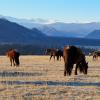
38,79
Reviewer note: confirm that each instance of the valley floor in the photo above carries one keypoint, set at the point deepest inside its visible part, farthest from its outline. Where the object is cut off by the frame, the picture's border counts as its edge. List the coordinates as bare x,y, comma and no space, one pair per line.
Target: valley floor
38,79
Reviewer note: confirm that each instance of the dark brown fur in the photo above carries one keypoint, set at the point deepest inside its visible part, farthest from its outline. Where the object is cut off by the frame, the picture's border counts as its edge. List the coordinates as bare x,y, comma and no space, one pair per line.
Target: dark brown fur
14,57
54,53
96,55
73,55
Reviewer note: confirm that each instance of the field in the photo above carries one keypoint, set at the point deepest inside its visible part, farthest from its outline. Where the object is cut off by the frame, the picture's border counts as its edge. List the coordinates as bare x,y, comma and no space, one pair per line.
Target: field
38,79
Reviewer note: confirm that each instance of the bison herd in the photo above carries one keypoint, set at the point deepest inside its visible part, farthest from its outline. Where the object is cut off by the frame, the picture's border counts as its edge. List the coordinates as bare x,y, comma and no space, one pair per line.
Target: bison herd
70,54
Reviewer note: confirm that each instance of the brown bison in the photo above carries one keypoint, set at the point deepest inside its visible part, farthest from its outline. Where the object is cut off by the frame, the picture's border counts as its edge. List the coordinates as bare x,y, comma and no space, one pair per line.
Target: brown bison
73,55
96,55
14,57
54,53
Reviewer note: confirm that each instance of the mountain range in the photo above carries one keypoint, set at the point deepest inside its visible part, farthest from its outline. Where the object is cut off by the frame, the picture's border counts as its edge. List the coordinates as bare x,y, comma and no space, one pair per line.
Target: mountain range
94,35
55,35
60,29
13,32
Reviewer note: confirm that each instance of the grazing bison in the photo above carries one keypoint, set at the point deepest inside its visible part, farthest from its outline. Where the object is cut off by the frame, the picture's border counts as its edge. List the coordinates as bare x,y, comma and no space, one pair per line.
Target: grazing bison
54,53
96,54
13,56
73,55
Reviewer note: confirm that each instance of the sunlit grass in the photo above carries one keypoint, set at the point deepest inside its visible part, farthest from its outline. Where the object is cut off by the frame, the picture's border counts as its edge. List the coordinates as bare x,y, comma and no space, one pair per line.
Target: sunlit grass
40,69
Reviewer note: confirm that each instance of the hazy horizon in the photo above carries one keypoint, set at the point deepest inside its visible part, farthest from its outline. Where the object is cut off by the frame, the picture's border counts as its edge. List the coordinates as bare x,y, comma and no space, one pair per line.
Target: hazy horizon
47,21
70,11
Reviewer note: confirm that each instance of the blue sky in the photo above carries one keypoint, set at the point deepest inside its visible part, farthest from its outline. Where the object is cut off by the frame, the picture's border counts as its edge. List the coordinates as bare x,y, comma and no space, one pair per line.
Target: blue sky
61,10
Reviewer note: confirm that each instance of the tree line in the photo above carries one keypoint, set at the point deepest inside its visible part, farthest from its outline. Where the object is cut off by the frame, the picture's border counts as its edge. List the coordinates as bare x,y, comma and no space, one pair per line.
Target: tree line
29,49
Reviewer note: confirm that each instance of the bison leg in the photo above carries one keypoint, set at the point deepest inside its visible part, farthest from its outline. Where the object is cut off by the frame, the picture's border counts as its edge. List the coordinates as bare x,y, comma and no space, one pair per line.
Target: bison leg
57,57
68,69
11,61
54,57
50,57
76,69
17,61
65,70
60,58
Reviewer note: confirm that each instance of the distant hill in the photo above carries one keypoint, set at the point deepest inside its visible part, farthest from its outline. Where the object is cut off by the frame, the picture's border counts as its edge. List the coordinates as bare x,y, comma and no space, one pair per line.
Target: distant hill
51,31
13,32
78,29
54,28
94,35
38,32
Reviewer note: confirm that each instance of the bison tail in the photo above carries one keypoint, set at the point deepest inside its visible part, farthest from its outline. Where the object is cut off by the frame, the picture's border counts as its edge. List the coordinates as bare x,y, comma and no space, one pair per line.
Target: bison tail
69,68
17,61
